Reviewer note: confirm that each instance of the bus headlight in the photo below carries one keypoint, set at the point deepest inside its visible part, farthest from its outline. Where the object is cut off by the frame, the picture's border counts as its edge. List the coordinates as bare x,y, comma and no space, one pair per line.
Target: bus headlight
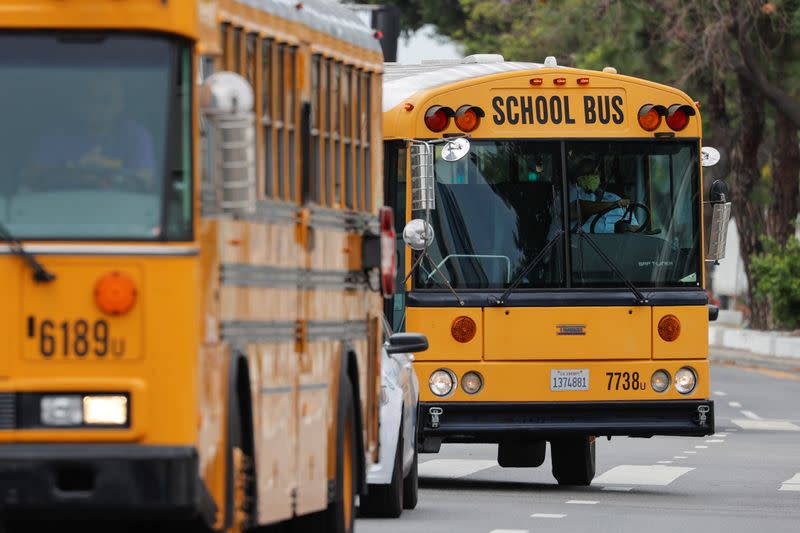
441,382
61,410
685,380
471,382
105,410
660,380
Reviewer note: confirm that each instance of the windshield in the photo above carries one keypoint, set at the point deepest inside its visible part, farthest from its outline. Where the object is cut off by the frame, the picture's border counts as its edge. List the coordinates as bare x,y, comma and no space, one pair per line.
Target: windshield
95,138
500,206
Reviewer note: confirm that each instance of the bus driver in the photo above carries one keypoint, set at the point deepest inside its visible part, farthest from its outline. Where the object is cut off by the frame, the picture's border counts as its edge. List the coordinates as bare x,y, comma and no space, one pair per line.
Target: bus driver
588,197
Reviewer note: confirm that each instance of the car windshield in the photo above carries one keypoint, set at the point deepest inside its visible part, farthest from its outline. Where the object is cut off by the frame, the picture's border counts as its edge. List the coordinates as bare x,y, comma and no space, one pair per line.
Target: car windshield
504,205
95,137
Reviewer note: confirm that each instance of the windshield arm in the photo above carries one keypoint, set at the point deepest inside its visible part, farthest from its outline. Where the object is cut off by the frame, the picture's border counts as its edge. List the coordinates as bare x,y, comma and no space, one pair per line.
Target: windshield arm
640,298
40,274
536,260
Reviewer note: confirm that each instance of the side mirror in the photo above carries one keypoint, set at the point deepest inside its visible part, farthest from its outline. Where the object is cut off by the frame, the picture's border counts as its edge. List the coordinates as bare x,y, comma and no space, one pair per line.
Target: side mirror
226,103
423,180
407,343
455,149
418,234
717,214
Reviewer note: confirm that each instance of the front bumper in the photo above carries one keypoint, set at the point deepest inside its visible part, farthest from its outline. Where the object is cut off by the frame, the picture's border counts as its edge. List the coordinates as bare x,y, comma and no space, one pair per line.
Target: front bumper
100,481
492,422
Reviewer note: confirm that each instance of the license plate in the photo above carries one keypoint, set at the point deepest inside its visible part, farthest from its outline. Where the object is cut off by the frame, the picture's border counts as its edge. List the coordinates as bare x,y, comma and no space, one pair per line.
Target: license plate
572,379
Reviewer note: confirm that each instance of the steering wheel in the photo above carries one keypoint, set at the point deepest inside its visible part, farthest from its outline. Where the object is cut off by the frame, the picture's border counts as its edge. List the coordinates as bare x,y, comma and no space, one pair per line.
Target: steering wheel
628,213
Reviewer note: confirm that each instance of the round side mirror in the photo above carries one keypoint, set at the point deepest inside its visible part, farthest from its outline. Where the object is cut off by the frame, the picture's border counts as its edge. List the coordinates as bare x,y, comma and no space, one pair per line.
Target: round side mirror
709,156
226,93
418,234
456,149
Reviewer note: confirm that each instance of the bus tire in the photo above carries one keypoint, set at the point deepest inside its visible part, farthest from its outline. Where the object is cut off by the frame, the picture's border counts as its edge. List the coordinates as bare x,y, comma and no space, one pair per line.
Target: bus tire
574,460
411,484
386,501
242,474
340,515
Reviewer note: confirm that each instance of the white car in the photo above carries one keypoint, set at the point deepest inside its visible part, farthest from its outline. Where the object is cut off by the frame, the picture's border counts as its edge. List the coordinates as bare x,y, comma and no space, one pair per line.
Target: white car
393,479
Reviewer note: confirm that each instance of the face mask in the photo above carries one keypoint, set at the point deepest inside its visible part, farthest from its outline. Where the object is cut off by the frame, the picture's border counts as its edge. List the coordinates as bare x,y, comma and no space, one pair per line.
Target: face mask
589,182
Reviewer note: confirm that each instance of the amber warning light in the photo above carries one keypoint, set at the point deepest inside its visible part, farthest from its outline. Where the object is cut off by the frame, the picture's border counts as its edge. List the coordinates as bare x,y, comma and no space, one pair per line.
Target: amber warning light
115,293
463,329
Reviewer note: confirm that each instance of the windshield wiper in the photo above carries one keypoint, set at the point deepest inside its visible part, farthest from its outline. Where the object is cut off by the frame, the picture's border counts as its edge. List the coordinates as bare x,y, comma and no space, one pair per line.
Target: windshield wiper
40,274
640,298
535,261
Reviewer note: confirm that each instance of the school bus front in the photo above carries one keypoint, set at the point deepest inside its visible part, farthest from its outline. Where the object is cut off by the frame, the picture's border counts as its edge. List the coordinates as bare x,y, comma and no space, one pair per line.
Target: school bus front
562,292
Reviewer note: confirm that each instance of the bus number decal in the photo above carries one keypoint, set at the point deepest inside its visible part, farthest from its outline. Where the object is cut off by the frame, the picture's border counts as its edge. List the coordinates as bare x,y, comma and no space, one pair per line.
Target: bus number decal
75,338
625,381
541,110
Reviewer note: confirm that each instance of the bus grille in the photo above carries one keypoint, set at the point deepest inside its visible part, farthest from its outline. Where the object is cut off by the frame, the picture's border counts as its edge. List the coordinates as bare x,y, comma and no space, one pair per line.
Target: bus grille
8,410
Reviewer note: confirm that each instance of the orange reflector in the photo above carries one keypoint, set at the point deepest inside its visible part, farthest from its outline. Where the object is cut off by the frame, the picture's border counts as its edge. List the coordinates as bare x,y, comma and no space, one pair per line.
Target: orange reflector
463,329
560,81
583,81
536,81
669,328
115,293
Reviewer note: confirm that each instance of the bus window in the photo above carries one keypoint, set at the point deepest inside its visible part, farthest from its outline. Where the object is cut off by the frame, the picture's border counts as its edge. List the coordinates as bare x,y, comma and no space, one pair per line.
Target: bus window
280,119
267,93
291,99
519,217
635,200
316,108
90,159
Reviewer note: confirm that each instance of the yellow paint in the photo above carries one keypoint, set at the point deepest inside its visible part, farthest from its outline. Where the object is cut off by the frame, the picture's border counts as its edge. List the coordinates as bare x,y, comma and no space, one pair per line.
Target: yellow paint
435,323
692,343
540,333
530,381
176,364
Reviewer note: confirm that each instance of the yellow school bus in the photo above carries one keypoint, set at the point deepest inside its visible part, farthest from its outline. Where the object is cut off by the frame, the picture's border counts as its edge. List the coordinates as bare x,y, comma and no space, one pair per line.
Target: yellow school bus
191,239
555,257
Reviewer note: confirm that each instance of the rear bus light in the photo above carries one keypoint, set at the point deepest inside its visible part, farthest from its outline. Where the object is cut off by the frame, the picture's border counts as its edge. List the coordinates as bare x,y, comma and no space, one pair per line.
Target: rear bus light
437,118
83,410
468,117
678,116
650,116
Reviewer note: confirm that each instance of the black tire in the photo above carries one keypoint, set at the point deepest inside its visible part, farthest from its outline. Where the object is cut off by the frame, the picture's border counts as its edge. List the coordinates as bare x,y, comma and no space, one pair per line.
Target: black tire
340,515
386,501
574,460
242,474
411,484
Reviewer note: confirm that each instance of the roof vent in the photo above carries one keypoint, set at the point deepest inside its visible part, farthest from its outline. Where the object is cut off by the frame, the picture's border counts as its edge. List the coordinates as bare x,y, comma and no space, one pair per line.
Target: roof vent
483,58
550,61
610,70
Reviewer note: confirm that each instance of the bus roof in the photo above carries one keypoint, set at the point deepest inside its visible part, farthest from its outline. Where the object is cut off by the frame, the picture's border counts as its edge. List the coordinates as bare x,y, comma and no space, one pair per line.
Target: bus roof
400,82
324,16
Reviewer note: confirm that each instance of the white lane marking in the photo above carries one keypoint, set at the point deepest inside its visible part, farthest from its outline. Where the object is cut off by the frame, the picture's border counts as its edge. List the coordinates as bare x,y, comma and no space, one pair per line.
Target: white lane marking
665,462
720,393
453,468
735,404
641,475
712,441
689,451
612,488
547,515
720,435
751,415
791,484
701,447
583,502
766,425
731,430
679,457
510,531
